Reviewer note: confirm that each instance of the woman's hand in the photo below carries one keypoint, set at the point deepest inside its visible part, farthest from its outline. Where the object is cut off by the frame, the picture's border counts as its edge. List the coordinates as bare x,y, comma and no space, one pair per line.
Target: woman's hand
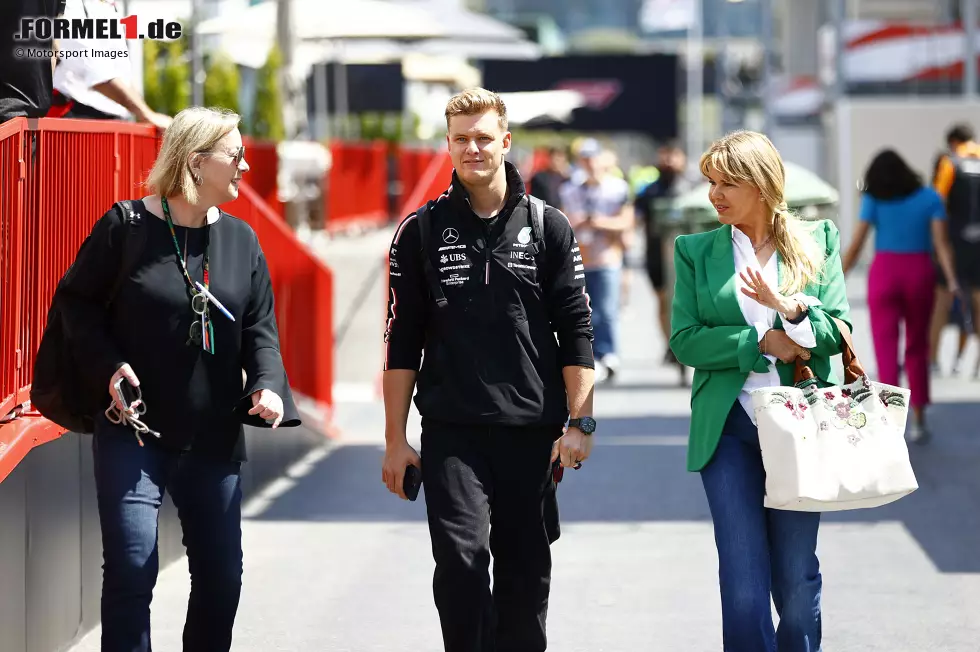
779,344
267,405
759,291
126,372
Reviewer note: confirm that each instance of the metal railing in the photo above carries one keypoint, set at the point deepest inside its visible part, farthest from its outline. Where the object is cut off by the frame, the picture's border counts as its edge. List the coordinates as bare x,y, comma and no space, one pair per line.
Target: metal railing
57,177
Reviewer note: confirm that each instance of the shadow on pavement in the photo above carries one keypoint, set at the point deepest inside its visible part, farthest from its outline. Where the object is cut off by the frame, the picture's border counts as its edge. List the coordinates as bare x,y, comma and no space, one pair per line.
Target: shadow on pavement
637,473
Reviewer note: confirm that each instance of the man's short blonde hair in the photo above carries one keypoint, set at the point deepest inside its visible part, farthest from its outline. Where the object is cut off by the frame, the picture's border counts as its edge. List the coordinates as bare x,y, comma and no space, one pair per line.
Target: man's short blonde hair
476,101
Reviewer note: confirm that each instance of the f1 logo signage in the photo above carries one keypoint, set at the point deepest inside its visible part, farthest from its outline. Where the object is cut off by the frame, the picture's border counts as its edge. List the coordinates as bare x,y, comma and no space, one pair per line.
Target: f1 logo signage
598,93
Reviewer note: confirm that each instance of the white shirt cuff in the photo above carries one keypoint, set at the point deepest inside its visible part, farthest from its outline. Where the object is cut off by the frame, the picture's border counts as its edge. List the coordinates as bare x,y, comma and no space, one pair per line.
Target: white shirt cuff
802,333
761,328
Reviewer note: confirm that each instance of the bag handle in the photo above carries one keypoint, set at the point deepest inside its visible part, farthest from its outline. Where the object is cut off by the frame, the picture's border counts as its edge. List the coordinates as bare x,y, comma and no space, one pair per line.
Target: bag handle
853,369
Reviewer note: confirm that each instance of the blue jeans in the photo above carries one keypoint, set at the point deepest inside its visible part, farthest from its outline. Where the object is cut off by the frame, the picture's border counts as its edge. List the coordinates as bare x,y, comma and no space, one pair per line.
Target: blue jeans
760,551
603,288
130,483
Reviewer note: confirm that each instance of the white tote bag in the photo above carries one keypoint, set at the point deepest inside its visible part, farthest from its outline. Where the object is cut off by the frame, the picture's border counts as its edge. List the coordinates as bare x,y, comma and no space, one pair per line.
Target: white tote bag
834,448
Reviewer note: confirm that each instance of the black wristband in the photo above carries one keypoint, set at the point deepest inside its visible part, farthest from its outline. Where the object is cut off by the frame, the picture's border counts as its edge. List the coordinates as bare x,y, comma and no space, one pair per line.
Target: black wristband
804,312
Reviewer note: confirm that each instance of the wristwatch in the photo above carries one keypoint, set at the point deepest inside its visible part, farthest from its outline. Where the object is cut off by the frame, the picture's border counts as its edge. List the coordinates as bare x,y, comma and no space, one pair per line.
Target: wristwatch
585,424
804,311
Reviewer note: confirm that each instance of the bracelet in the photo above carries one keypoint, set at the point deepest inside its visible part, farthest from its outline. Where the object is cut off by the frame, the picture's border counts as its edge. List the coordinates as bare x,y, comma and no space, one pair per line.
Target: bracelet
762,343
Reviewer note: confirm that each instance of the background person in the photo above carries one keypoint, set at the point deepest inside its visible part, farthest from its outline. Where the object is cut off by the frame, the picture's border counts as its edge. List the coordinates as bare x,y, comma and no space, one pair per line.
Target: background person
25,83
958,183
98,87
598,206
910,224
653,207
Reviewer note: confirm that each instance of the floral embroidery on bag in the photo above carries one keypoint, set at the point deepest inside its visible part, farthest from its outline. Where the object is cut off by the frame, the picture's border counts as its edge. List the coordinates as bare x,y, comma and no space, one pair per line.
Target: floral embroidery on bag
784,399
796,409
847,410
889,398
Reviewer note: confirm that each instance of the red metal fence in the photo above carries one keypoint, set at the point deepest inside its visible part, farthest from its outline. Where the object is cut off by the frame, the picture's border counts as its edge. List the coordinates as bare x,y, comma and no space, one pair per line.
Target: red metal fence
357,185
263,159
430,182
56,178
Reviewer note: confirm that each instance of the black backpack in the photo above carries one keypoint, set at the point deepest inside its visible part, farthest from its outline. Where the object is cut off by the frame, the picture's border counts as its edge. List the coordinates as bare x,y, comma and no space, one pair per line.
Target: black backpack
536,213
60,390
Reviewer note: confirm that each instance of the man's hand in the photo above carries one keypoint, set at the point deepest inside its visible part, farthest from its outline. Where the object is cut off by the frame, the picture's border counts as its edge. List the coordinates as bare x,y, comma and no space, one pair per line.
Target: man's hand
158,120
573,448
398,456
779,344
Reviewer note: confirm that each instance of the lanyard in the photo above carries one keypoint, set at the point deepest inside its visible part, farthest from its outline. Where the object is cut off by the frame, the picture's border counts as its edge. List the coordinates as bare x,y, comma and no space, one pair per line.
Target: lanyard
180,256
207,329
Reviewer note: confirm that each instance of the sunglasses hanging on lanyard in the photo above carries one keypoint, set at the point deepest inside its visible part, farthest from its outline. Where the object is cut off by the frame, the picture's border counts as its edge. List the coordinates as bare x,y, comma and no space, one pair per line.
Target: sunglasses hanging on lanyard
202,331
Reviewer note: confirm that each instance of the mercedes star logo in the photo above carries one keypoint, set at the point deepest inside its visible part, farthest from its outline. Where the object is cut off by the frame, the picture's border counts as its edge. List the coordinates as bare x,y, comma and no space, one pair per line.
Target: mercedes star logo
450,236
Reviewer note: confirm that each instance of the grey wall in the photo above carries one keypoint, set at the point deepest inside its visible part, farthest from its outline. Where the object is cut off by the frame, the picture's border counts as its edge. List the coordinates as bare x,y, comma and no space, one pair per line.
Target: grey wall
50,543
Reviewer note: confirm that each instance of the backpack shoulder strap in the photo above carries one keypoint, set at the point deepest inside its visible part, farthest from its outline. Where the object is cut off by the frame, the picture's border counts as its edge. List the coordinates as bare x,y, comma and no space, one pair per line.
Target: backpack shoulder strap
424,217
537,217
133,242
536,214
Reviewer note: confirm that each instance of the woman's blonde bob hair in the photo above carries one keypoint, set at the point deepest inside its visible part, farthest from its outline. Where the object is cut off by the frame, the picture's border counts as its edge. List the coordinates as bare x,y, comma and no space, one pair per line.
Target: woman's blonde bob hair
750,157
194,130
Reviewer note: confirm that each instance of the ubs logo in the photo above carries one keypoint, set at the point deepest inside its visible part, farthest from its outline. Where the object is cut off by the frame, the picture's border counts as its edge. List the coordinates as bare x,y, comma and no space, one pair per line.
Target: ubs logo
450,236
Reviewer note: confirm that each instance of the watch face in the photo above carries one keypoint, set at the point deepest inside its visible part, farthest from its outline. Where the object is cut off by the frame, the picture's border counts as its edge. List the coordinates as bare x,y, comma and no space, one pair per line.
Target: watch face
587,425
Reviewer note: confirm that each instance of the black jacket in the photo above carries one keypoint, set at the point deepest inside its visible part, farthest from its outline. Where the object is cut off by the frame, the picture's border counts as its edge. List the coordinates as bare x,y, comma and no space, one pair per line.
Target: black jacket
491,354
195,400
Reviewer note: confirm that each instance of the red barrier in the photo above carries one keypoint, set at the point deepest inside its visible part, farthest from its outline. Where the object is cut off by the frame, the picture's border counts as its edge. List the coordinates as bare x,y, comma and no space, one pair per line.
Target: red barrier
303,288
263,174
433,182
356,187
56,178
412,164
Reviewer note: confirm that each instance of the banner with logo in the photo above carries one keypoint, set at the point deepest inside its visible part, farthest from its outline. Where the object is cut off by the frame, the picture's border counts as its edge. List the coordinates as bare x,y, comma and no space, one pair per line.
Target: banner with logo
623,92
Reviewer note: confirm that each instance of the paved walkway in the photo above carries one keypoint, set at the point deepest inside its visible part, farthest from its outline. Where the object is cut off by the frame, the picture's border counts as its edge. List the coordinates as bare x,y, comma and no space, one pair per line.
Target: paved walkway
333,562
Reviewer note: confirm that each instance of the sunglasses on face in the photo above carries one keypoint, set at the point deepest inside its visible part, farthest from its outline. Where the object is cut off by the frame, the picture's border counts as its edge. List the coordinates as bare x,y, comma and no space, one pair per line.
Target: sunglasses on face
239,156
236,158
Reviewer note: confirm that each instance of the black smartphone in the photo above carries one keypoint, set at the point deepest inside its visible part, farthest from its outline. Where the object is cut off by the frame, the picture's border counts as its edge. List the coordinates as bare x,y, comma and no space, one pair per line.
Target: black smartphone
412,482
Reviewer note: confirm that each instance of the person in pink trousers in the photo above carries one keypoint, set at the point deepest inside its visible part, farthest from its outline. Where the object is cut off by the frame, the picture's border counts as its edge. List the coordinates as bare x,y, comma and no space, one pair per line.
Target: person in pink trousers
909,220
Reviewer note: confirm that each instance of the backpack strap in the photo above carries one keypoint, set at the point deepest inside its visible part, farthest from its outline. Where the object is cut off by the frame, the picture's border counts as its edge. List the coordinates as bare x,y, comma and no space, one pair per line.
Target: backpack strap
424,217
133,242
537,218
536,213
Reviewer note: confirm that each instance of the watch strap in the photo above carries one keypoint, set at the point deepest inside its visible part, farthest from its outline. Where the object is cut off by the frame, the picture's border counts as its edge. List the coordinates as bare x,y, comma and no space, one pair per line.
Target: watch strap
804,312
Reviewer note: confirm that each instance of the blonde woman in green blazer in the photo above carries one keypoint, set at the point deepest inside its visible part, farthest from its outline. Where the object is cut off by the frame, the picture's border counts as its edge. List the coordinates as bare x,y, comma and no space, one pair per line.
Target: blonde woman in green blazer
750,297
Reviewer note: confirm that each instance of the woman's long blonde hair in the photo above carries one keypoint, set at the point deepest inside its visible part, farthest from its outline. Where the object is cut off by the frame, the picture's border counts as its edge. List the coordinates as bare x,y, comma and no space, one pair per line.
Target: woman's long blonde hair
195,129
751,157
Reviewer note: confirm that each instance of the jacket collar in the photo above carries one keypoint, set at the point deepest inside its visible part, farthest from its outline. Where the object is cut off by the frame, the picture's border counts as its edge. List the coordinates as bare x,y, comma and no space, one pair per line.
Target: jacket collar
516,190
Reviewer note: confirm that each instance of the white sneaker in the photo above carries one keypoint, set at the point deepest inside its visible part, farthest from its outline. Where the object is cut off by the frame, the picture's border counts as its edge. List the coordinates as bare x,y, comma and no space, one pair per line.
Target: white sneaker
601,373
918,433
611,363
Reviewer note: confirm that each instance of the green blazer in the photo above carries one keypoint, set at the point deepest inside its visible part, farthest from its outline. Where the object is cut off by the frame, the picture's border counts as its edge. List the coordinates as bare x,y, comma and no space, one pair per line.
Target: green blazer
710,334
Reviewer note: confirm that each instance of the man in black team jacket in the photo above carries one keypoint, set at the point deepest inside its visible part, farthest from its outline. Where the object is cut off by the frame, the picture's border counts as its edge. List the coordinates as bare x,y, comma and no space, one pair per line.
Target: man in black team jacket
495,386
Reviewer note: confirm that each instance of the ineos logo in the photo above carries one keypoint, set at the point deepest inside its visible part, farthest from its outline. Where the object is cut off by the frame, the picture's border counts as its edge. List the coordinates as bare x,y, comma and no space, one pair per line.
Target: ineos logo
450,236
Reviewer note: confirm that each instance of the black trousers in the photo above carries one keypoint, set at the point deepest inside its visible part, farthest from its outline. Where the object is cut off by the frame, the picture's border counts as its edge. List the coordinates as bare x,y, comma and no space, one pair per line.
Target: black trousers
489,491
